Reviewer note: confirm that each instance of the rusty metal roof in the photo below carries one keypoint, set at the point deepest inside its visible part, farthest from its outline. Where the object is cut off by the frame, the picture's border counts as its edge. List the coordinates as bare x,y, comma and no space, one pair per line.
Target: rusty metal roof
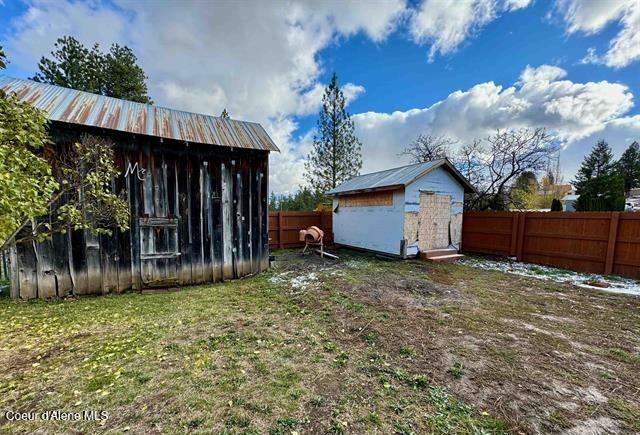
77,107
397,178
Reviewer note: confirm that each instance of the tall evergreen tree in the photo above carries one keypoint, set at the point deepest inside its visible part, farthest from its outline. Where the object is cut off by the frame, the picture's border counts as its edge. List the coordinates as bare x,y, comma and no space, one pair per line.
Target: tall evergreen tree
337,153
629,166
556,205
599,184
115,74
122,77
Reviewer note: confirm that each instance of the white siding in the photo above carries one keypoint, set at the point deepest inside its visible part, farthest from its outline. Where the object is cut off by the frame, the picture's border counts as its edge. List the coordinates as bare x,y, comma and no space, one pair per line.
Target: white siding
381,228
439,181
378,228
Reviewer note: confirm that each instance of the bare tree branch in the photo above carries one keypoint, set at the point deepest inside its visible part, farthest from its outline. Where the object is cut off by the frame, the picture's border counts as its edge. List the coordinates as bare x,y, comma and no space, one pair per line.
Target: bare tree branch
426,147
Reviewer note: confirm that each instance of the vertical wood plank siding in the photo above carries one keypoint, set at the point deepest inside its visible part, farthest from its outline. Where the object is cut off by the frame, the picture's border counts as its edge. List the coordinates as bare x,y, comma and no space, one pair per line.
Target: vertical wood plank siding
198,214
284,226
597,242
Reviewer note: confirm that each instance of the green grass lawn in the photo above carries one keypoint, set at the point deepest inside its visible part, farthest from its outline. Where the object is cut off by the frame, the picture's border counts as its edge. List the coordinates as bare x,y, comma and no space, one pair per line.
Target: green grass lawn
364,345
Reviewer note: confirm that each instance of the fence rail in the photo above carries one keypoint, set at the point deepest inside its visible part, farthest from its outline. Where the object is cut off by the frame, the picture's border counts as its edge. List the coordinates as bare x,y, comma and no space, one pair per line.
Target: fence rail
285,225
598,242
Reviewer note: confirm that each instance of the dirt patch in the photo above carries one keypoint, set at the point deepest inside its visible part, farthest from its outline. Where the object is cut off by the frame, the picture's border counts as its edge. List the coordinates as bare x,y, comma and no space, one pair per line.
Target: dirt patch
391,290
595,426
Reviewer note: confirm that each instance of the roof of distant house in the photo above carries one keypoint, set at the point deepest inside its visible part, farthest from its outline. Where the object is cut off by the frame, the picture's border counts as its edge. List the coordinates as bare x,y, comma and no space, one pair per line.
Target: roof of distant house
83,108
398,177
570,197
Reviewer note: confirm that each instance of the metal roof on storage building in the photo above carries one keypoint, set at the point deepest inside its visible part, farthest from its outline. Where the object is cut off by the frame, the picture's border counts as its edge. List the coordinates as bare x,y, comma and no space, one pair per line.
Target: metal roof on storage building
397,178
83,108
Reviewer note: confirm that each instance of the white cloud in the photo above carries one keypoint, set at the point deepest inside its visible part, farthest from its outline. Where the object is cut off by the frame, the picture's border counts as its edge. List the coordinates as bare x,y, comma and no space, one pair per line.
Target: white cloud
445,24
618,133
256,59
543,73
33,33
571,111
593,16
259,60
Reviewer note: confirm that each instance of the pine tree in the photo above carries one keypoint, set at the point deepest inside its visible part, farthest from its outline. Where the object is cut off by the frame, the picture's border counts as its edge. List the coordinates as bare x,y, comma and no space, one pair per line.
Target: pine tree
122,77
597,164
556,205
115,74
337,153
629,166
598,182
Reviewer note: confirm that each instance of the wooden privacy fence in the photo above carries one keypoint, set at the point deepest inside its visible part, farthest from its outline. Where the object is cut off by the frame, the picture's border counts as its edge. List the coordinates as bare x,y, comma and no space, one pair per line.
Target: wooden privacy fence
597,242
285,225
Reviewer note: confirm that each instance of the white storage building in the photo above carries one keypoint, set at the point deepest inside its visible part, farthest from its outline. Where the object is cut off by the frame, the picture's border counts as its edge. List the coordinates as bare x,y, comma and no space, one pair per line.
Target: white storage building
402,211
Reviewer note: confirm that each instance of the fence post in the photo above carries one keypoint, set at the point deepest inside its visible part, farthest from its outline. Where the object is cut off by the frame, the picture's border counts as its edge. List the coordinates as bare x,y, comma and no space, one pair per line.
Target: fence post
520,242
611,246
280,244
515,219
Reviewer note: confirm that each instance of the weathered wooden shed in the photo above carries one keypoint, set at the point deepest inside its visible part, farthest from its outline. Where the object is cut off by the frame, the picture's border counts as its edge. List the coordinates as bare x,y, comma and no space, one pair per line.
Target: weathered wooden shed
402,211
197,189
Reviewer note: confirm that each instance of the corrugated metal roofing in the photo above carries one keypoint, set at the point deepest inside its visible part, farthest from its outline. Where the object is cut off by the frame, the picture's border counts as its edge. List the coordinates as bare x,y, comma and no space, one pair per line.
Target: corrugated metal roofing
396,177
77,107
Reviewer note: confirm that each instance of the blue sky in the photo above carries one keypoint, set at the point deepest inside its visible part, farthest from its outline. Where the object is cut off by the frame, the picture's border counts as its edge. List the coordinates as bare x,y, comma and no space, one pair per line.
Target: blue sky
572,67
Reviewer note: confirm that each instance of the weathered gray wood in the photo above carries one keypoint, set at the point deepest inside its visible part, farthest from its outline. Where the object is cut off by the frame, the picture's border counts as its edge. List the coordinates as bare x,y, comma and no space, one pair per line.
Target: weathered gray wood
14,276
94,264
147,184
197,272
207,224
109,257
227,222
78,261
207,204
160,186
61,264
240,236
109,263
250,220
27,272
264,176
216,217
44,257
184,236
134,185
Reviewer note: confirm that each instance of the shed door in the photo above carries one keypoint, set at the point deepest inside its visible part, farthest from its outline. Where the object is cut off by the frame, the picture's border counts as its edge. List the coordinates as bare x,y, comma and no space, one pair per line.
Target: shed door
159,253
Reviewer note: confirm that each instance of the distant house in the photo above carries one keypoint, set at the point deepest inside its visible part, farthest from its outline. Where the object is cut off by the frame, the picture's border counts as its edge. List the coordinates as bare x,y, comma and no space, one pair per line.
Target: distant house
401,211
632,202
569,202
196,186
557,190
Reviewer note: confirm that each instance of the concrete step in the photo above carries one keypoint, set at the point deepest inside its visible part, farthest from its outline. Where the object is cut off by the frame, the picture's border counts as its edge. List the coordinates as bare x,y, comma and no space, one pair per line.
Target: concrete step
437,253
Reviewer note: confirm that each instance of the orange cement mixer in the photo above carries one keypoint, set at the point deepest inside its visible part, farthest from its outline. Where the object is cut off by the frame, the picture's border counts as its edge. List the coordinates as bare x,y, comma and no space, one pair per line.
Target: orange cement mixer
312,236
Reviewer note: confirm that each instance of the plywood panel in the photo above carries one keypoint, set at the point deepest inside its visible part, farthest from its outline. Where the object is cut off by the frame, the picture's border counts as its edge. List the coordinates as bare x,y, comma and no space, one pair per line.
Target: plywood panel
370,199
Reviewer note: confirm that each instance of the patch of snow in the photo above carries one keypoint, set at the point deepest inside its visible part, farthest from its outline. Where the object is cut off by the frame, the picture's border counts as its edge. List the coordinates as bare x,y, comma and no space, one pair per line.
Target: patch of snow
297,282
615,284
